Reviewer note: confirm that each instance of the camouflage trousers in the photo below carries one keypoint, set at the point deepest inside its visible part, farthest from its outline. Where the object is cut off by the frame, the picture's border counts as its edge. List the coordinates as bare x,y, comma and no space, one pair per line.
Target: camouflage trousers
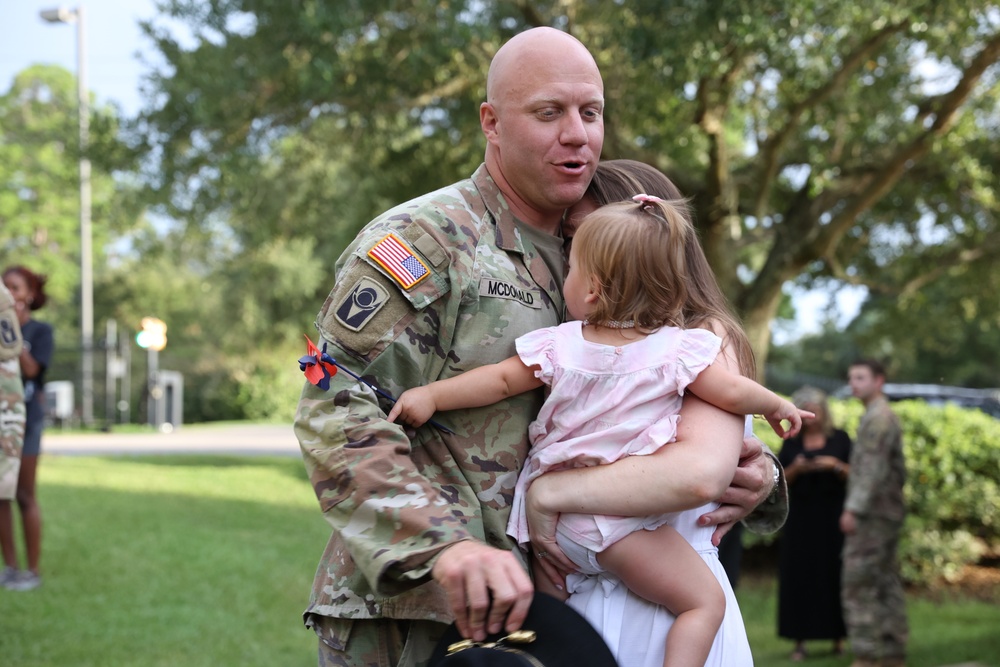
872,592
375,642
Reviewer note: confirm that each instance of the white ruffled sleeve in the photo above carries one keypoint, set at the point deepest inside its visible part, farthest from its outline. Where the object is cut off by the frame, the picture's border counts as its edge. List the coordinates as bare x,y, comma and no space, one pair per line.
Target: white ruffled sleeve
536,349
697,350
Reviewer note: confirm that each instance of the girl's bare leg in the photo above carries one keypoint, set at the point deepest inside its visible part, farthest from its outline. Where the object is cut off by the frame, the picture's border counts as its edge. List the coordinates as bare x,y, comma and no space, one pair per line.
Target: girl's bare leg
662,567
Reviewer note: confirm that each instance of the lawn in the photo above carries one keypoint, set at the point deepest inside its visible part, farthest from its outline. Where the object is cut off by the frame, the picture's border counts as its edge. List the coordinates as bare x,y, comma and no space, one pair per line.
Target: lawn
944,630
169,561
208,560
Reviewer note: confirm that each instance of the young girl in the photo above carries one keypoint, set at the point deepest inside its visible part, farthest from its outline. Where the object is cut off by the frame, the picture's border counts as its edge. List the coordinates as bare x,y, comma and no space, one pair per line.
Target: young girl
616,379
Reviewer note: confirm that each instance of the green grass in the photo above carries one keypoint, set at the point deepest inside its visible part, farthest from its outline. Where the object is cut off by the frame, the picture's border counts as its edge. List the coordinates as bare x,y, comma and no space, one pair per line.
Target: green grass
169,561
942,632
208,560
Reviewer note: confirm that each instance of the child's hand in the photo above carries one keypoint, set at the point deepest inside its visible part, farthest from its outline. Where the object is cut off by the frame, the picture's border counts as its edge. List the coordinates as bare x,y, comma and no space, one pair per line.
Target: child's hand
787,411
415,406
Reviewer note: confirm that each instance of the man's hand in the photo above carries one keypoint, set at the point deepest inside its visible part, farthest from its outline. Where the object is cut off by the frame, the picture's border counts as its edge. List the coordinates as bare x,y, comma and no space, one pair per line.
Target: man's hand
751,485
848,523
481,579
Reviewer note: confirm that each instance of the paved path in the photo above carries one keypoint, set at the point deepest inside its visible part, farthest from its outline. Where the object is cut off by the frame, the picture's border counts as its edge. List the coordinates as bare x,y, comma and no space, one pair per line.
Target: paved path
242,439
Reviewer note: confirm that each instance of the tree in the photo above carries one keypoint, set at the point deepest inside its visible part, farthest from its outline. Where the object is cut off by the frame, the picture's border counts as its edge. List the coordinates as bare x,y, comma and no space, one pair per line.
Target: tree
818,140
39,186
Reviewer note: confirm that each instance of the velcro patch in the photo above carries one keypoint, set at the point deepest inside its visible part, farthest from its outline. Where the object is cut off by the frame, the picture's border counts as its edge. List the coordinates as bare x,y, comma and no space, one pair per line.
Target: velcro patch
499,289
10,335
399,261
361,304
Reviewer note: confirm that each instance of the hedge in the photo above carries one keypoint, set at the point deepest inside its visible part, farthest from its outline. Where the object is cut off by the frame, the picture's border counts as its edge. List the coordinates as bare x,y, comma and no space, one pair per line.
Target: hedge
952,490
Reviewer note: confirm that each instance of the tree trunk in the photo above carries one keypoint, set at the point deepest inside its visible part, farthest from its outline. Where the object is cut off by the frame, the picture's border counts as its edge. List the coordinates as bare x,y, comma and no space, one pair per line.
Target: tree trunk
757,323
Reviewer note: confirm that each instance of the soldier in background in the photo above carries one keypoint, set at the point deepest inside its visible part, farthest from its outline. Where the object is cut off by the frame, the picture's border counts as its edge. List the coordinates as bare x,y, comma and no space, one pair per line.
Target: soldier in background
11,404
872,591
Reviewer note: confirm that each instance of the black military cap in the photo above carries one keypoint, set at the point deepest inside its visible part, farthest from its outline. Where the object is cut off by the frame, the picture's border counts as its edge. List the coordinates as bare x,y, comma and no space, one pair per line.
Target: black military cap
553,635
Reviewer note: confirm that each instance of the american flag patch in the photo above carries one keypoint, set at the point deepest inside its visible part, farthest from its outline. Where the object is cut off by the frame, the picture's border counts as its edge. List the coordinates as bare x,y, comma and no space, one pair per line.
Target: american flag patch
393,256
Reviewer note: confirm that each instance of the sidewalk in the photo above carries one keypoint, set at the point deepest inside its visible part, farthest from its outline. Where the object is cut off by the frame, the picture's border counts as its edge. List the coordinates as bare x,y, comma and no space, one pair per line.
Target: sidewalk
238,439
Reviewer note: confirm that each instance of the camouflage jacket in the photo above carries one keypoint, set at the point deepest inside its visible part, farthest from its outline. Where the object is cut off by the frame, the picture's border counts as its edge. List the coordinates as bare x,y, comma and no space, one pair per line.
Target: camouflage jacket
11,396
397,498
878,470
450,290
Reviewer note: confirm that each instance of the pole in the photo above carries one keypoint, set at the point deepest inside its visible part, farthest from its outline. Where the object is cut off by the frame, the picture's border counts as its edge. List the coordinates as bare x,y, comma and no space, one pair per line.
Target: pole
125,403
112,371
86,256
154,402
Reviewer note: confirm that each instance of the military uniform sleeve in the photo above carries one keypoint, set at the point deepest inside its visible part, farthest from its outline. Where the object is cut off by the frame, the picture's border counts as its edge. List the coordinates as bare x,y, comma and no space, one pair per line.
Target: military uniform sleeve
869,462
11,397
390,502
771,514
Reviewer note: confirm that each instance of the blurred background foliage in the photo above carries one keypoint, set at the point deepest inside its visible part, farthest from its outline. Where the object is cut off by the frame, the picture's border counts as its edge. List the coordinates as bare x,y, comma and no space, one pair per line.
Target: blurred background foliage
824,145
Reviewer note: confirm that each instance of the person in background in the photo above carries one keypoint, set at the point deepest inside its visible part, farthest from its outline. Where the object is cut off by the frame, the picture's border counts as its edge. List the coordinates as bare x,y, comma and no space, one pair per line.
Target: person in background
816,469
872,590
28,290
11,405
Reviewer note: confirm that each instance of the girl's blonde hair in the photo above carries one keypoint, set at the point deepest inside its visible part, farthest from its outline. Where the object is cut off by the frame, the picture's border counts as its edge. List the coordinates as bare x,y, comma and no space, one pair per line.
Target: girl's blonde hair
704,306
635,251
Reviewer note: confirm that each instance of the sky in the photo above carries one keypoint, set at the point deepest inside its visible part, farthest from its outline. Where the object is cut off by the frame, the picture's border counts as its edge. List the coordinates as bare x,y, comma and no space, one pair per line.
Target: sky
112,39
118,55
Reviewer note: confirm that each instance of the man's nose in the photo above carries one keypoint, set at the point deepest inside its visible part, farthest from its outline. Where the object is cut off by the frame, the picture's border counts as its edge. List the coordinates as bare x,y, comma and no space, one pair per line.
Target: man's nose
574,130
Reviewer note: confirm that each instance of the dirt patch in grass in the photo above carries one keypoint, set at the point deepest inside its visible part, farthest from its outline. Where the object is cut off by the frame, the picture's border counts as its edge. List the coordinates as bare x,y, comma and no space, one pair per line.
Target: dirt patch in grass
978,582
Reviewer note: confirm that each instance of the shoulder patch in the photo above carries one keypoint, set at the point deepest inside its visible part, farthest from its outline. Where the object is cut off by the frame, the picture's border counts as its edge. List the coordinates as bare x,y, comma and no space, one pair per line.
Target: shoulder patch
399,261
363,310
10,335
361,303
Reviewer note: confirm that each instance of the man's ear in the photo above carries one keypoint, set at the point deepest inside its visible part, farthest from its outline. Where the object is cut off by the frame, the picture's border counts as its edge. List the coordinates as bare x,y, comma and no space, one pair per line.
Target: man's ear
488,121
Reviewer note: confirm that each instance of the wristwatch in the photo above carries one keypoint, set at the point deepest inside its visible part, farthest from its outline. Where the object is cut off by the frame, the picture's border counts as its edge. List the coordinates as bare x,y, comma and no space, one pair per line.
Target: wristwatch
773,496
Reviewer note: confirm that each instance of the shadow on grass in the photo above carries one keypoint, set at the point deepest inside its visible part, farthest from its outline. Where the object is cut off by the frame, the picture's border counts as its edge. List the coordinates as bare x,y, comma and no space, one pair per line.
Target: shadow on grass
291,466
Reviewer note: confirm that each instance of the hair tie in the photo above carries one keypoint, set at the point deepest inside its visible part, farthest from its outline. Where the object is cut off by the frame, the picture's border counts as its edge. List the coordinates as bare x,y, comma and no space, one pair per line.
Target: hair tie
647,199
648,203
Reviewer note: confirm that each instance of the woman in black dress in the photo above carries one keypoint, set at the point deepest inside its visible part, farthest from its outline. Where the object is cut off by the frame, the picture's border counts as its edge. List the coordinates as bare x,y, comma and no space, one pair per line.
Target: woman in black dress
816,468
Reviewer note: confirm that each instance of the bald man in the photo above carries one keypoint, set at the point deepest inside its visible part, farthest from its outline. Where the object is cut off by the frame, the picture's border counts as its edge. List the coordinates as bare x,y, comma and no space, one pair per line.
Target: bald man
432,288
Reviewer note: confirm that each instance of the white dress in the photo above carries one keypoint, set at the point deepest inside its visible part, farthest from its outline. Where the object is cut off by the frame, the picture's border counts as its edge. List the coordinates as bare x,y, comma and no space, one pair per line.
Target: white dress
636,629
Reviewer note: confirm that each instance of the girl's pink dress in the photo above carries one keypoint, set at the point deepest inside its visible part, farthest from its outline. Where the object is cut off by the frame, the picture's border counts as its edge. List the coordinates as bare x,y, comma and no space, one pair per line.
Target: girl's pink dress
605,402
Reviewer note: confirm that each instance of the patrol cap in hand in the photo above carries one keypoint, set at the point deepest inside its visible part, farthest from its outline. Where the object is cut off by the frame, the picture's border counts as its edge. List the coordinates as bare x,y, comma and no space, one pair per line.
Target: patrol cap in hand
553,635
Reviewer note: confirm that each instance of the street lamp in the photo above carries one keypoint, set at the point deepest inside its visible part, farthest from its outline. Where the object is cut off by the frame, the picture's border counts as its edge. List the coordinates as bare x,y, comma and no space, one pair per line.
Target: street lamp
63,15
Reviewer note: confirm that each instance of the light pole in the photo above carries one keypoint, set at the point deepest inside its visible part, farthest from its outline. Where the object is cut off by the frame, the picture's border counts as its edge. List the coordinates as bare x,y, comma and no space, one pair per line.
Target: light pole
63,15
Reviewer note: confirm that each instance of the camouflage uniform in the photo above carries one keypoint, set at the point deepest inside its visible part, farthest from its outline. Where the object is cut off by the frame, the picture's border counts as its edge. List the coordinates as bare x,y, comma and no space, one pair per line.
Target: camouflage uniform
11,397
872,592
396,498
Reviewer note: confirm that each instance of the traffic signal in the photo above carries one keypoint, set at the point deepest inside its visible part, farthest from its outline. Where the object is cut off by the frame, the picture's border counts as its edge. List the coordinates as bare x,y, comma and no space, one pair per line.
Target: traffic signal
153,335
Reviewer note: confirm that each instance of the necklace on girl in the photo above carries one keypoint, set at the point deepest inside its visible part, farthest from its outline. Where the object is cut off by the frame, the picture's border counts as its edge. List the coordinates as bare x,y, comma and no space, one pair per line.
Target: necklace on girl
613,324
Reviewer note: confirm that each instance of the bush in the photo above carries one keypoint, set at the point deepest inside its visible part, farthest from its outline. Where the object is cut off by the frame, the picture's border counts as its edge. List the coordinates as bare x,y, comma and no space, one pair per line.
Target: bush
952,492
